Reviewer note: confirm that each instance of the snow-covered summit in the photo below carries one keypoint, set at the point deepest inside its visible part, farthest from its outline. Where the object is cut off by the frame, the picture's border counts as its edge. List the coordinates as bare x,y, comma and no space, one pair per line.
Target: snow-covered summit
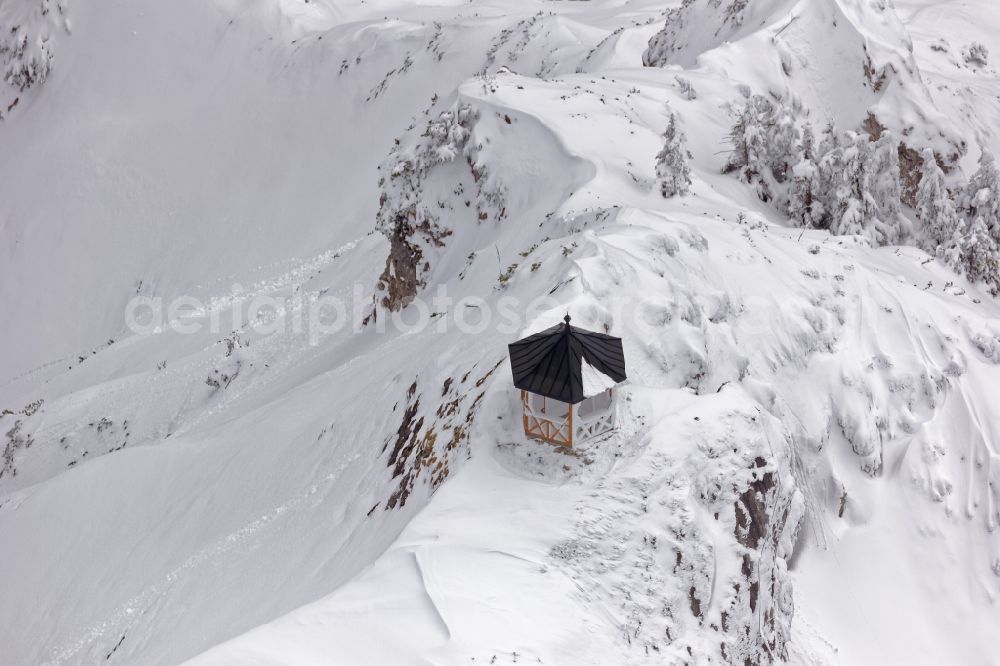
804,467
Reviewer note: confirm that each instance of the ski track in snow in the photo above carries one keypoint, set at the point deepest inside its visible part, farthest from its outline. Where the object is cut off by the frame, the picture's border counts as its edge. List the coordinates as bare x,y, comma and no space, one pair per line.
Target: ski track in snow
133,610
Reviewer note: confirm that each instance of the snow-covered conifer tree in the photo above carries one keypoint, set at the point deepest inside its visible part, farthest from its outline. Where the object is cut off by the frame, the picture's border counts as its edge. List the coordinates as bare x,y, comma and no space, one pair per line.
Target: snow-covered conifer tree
968,246
935,210
981,196
972,251
749,136
887,191
783,142
808,143
855,206
980,256
803,203
768,153
848,184
829,140
829,172
671,163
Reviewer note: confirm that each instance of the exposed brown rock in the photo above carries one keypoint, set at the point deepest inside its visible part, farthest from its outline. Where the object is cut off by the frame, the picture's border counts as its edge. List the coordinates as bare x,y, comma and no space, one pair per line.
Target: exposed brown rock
695,603
758,531
403,274
425,442
911,163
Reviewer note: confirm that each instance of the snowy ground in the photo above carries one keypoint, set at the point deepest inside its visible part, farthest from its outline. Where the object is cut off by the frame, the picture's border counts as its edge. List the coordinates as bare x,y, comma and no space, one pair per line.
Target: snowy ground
366,497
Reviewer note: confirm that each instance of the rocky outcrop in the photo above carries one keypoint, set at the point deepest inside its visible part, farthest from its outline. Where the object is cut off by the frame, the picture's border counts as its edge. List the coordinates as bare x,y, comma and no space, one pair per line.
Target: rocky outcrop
405,266
427,444
691,27
879,65
695,542
762,520
406,216
911,163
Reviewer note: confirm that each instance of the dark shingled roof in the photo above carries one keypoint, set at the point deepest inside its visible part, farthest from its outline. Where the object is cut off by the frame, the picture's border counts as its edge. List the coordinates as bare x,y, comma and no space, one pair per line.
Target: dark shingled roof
549,363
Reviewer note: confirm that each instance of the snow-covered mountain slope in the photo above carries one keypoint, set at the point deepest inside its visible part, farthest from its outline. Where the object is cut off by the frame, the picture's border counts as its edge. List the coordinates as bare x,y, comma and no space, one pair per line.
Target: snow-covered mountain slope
805,467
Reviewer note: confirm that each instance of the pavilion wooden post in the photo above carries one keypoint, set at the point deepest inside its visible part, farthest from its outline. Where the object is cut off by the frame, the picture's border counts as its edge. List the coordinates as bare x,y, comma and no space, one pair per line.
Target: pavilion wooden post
569,438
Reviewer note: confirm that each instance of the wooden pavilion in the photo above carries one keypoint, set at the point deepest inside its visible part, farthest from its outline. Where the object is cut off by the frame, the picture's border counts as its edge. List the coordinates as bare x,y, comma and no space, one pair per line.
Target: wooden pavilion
567,375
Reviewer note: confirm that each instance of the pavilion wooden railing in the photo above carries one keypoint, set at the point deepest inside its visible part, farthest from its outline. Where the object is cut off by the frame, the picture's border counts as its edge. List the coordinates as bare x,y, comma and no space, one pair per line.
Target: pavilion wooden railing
563,430
542,426
598,424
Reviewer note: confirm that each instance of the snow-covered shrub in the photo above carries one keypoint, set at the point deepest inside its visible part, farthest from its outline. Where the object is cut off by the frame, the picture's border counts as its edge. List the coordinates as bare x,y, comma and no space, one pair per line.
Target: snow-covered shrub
687,90
27,44
975,54
15,439
24,66
671,162
404,216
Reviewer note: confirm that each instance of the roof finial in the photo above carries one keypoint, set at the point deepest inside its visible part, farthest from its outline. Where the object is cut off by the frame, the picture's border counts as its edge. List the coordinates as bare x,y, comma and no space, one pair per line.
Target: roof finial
566,319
